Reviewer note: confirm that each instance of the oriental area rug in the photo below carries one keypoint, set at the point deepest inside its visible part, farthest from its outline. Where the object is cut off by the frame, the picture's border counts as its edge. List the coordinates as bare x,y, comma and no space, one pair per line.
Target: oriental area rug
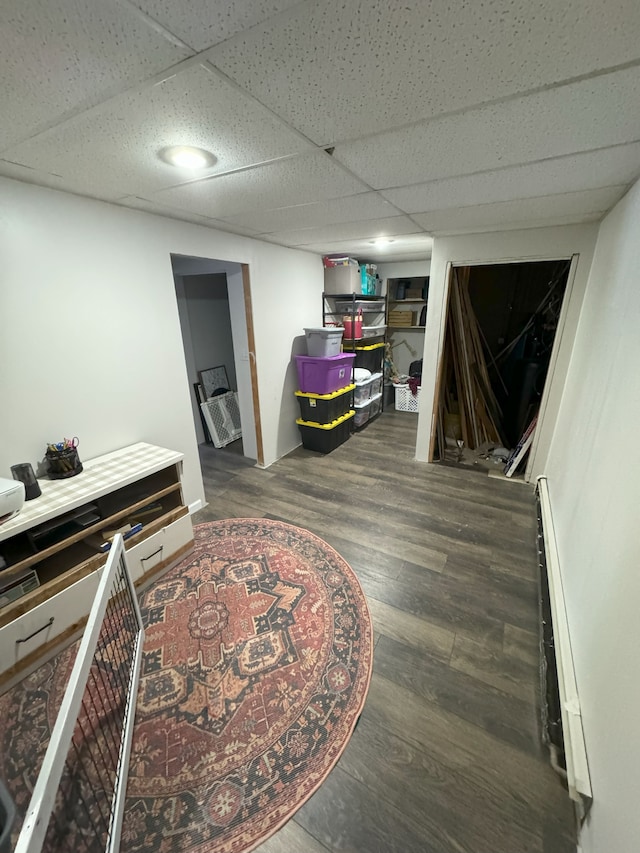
256,665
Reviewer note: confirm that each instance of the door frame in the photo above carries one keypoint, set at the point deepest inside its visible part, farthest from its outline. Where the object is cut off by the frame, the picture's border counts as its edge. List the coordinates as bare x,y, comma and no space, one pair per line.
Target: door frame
236,269
553,360
253,366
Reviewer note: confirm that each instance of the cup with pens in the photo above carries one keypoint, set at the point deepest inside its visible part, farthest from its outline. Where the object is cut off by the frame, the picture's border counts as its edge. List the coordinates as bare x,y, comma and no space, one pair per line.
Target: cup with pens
62,458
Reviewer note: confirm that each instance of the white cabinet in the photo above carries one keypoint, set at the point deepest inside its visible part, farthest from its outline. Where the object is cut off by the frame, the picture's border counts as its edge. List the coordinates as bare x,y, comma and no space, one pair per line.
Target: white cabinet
59,539
148,556
47,621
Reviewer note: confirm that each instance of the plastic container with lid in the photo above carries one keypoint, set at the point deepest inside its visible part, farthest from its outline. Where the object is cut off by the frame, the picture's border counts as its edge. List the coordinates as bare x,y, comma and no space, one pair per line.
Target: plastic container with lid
325,408
323,438
323,341
324,375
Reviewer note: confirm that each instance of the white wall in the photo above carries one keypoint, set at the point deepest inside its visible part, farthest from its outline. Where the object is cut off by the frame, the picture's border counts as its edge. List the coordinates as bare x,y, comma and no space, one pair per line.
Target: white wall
90,340
500,247
210,323
407,340
403,269
594,484
205,323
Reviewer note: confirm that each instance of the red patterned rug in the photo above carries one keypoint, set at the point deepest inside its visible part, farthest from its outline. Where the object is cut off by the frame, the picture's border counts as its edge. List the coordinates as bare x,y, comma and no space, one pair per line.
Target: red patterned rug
258,655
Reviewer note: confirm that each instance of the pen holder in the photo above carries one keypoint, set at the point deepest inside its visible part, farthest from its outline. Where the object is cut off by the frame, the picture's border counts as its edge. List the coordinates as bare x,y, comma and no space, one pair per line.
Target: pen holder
63,463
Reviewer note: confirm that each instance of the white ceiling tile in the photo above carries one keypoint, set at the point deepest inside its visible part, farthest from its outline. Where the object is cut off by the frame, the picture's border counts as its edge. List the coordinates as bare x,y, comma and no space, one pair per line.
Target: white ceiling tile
369,229
335,210
115,146
201,23
61,55
405,247
602,168
594,113
298,180
552,209
54,182
163,210
183,215
338,70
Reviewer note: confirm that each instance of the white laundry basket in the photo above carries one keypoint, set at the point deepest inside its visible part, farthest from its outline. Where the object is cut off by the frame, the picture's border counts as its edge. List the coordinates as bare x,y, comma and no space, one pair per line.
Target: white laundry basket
405,401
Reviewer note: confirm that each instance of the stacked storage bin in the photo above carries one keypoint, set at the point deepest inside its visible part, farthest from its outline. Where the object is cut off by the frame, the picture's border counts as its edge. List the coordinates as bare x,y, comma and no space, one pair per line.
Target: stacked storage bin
367,399
325,392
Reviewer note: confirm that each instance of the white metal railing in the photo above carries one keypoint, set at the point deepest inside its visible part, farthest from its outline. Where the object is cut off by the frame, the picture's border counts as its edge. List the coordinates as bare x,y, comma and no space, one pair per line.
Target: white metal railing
81,786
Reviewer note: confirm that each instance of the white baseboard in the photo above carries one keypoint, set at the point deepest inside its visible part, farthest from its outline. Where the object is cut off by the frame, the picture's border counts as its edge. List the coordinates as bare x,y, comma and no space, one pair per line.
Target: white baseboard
196,505
578,778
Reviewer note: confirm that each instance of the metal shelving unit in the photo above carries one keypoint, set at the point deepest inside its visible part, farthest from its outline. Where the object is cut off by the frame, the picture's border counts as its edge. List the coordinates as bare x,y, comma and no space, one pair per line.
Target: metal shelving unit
369,348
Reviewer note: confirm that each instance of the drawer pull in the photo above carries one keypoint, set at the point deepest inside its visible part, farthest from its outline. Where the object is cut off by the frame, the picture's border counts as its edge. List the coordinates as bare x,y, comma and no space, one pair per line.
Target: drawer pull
44,628
152,554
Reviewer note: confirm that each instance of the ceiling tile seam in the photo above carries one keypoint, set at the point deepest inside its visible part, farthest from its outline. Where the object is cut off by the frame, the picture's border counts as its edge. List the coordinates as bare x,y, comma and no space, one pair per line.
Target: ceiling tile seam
78,112
522,225
519,165
547,87
307,204
156,25
517,199
31,168
283,13
236,86
205,178
212,69
419,224
167,214
357,177
346,224
161,29
421,233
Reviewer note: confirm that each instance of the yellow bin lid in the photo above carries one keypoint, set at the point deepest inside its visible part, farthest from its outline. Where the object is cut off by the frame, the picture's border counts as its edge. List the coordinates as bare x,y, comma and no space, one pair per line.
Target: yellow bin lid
371,346
331,396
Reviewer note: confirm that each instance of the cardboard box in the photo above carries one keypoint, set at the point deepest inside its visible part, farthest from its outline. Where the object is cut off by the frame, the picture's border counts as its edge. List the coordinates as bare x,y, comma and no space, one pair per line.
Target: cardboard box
413,293
400,317
345,279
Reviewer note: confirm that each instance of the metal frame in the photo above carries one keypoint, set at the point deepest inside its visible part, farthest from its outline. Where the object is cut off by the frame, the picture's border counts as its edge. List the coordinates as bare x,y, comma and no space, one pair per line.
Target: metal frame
34,828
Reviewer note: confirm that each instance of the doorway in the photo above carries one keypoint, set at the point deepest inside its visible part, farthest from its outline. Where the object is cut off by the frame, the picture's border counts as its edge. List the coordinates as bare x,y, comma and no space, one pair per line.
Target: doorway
502,322
214,308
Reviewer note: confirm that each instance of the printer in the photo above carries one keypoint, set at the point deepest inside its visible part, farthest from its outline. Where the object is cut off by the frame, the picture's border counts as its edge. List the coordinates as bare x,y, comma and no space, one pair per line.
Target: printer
11,498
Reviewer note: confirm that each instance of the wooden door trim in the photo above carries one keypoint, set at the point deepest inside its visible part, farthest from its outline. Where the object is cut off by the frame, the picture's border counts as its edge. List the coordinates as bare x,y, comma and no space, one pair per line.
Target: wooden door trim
448,277
246,287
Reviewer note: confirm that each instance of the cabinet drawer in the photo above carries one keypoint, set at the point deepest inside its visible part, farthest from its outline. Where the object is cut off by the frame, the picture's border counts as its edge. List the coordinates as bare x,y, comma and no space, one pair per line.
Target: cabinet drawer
47,620
159,548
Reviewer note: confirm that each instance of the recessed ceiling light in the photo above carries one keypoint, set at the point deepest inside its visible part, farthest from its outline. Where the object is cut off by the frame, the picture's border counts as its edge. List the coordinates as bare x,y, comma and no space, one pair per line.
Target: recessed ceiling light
381,241
187,157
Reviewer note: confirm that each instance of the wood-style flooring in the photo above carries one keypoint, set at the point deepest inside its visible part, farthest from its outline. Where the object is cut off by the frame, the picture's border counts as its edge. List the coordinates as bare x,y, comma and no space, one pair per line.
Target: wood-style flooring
447,756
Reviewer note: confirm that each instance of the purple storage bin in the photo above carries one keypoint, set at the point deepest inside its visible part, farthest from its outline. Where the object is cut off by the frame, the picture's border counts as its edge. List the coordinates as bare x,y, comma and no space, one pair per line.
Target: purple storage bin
324,375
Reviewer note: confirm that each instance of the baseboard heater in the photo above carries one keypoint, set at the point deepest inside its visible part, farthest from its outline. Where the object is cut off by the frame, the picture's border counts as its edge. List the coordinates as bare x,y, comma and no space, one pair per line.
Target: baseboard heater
561,715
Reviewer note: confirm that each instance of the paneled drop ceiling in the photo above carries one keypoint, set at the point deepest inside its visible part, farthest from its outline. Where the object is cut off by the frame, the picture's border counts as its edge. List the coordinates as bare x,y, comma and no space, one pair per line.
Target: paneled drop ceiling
333,122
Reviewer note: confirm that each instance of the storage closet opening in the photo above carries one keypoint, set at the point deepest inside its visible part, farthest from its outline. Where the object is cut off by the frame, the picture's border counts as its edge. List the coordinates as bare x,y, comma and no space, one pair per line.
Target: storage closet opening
406,315
214,307
501,326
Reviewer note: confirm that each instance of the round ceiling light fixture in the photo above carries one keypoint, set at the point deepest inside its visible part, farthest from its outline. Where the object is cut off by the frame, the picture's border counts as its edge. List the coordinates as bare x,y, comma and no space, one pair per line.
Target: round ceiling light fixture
187,157
381,242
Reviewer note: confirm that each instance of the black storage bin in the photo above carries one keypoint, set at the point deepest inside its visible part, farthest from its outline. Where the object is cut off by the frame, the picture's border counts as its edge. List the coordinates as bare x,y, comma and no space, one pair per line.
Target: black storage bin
325,408
370,357
324,438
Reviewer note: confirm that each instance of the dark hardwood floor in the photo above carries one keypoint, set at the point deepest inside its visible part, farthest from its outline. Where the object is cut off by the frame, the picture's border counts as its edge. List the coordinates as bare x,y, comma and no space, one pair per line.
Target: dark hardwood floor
447,756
